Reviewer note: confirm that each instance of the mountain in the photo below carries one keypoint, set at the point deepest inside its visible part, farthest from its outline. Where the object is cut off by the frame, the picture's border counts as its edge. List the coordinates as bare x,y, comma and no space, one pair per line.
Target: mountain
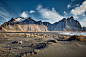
84,28
68,24
29,24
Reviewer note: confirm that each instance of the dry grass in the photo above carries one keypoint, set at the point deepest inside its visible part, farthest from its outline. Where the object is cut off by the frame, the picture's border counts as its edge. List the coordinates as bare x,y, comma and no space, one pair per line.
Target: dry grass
76,37
55,36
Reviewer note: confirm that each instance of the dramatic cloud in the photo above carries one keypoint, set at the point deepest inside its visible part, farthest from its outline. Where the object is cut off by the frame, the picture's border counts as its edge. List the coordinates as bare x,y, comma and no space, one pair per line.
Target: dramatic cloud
79,10
32,11
52,15
24,14
65,13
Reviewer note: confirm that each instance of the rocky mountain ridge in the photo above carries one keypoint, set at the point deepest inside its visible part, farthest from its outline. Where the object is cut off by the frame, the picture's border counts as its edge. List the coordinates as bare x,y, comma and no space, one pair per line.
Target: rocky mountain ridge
30,24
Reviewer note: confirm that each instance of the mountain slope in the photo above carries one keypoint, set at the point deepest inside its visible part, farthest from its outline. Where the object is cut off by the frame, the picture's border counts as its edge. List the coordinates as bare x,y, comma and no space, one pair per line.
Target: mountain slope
68,24
25,28
29,24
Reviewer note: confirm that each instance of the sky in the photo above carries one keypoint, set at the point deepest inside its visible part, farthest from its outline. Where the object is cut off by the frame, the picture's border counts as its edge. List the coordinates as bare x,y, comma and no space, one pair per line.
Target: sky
45,10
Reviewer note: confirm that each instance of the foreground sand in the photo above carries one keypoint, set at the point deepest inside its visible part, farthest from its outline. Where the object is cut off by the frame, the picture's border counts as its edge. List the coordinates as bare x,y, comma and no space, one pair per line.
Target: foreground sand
66,49
40,46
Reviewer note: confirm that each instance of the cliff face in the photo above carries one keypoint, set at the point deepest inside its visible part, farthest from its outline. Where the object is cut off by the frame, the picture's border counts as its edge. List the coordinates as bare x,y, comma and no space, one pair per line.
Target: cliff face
68,24
29,24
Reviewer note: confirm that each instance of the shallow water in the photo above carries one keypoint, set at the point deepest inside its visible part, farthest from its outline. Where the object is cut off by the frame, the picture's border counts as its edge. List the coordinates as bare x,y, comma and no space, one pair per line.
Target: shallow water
73,33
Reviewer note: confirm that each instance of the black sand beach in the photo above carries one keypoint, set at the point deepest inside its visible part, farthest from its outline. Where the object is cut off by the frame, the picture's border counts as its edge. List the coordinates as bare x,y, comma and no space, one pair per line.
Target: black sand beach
46,44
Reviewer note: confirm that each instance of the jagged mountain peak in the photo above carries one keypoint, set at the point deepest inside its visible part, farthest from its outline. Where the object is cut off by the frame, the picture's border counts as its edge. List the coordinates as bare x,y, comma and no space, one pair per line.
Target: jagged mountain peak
12,20
29,18
22,17
19,19
68,24
72,17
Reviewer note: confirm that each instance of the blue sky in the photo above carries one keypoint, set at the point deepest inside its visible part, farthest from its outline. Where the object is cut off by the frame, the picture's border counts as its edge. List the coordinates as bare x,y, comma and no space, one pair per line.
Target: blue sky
44,10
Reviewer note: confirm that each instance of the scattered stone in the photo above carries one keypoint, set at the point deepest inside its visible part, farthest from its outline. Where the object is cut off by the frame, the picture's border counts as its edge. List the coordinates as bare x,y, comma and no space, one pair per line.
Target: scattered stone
32,53
20,42
35,51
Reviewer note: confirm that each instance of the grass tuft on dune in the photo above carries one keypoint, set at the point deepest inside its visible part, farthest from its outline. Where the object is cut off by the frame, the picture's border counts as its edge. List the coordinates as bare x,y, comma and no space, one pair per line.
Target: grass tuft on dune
76,37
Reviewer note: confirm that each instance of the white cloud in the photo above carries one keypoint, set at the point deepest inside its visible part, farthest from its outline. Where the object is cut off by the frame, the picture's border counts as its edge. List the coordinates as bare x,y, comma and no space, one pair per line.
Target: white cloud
83,22
53,9
69,6
24,14
49,14
77,4
72,0
48,21
65,13
79,10
83,15
76,17
32,11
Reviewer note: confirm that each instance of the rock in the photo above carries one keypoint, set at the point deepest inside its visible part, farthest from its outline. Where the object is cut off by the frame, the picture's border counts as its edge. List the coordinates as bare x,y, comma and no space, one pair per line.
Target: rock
35,51
20,42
